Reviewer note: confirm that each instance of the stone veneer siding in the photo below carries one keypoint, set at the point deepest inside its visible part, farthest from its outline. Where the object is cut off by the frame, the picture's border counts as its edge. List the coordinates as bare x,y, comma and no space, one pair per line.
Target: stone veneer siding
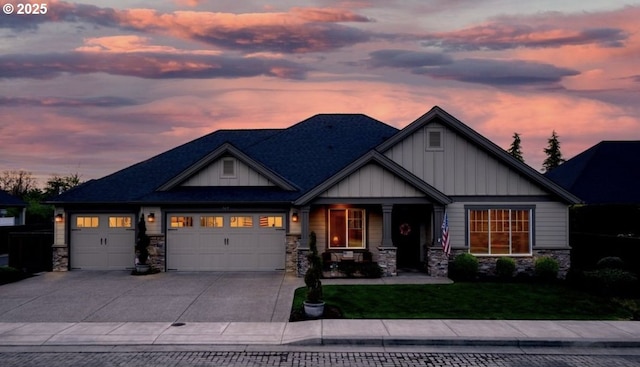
60,258
291,257
439,262
157,251
387,260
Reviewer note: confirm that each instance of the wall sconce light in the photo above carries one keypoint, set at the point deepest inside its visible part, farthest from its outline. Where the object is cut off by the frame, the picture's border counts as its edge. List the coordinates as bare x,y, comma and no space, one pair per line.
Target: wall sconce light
59,218
151,217
294,217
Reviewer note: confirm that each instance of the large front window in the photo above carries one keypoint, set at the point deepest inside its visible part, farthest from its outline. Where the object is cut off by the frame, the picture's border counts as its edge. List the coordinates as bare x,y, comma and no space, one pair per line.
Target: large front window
500,231
346,228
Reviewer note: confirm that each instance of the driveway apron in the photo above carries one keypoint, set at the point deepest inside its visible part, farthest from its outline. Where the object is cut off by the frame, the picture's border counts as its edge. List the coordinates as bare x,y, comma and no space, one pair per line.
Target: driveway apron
117,296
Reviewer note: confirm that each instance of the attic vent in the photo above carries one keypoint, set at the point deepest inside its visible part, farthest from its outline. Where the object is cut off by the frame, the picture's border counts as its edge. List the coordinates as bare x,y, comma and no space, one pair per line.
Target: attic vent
434,139
228,167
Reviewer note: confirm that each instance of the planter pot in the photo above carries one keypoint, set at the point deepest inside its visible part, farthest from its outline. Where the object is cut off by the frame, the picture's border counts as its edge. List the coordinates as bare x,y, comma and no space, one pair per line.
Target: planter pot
142,268
313,310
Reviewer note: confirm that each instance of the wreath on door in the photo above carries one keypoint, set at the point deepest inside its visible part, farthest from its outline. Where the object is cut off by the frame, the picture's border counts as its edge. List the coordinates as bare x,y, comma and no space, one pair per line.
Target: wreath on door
405,229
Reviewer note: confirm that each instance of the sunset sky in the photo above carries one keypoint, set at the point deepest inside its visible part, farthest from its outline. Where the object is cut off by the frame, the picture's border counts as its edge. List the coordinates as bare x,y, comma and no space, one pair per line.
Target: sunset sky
92,87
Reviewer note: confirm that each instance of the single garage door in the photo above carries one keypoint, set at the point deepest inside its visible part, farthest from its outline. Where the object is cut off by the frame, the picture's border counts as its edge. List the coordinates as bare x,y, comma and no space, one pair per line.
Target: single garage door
102,241
225,242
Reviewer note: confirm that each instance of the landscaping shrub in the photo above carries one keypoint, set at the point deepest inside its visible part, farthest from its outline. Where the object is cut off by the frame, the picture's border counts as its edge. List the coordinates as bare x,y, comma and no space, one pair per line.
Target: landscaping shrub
546,268
371,270
612,282
610,262
505,267
465,267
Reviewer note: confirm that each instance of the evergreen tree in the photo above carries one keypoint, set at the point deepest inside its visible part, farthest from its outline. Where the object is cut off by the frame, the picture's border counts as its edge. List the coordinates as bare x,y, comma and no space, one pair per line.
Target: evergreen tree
554,155
516,150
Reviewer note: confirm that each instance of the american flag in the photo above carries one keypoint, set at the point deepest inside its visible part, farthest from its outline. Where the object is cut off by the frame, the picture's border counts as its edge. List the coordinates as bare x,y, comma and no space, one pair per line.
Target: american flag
446,246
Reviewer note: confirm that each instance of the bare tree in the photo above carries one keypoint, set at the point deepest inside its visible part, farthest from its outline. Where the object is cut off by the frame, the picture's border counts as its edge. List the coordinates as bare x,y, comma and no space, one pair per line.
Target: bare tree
17,182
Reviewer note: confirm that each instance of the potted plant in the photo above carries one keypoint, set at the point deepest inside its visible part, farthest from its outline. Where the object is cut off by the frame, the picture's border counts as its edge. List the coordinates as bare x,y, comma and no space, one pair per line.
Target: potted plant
142,251
313,305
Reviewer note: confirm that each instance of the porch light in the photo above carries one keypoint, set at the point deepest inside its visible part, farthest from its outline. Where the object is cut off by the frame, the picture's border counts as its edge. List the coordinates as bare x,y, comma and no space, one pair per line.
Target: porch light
59,218
151,217
294,217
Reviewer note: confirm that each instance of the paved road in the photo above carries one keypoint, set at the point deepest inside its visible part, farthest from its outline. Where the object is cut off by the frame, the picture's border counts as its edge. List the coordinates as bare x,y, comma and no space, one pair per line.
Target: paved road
330,359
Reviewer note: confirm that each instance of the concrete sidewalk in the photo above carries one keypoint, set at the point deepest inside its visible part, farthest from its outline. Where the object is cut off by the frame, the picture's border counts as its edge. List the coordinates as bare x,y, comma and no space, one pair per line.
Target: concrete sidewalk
512,333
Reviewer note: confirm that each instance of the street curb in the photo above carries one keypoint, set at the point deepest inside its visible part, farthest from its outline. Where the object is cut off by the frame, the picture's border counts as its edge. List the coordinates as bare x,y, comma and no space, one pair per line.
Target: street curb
456,342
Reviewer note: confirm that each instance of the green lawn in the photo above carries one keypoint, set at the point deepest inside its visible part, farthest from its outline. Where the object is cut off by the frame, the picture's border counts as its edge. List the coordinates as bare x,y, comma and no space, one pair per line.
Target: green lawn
468,301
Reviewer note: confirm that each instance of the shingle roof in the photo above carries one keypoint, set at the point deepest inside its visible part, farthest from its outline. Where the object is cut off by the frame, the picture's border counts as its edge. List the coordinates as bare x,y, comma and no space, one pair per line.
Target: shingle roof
607,173
7,200
305,154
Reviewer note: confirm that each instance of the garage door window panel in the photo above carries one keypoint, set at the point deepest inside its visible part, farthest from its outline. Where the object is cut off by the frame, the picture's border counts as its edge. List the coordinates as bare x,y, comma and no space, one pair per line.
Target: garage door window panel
87,222
212,222
120,222
241,222
271,221
181,221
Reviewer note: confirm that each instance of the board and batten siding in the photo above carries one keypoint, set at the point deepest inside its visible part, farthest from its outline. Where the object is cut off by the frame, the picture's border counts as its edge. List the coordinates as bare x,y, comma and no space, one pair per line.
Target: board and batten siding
551,223
460,168
212,176
371,181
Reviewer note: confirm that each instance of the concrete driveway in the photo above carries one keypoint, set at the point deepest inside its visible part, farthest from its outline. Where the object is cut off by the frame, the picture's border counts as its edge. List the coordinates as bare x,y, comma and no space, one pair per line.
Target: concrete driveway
117,296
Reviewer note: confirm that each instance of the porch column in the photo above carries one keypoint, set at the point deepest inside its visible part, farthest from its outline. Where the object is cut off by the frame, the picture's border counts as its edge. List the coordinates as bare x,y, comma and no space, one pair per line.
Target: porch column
304,222
438,217
387,240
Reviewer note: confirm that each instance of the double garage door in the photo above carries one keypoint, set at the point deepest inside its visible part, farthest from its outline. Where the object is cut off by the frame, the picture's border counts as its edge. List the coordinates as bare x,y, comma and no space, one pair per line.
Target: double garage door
225,242
102,241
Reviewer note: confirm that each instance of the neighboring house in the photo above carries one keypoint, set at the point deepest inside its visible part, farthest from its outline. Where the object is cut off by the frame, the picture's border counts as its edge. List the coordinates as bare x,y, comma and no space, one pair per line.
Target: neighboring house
12,210
248,199
607,178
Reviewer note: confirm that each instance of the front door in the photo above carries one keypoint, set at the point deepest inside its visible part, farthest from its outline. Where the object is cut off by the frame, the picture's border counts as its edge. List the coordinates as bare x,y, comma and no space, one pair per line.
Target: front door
406,222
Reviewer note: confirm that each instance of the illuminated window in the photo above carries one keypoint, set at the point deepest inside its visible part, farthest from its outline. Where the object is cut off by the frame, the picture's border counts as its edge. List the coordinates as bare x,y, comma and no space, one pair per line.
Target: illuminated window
212,222
500,231
119,222
87,222
271,221
241,222
180,222
346,228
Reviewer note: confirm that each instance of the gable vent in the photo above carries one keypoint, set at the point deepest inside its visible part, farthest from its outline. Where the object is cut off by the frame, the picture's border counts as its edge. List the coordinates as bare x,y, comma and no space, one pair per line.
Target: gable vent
228,167
434,139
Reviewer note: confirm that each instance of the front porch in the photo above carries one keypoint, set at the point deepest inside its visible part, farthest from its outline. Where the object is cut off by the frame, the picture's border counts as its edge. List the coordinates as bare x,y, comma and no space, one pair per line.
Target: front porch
353,238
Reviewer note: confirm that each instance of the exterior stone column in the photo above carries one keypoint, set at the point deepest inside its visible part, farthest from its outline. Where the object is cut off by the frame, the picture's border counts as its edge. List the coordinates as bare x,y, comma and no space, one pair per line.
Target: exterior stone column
438,262
291,260
60,257
387,260
157,251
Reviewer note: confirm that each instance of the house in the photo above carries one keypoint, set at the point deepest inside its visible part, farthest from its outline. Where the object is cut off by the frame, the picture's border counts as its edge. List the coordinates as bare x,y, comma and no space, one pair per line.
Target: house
248,199
12,210
607,178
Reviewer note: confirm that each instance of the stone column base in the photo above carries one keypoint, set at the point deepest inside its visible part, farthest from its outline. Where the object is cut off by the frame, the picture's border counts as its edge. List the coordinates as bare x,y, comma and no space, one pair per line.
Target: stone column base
60,258
387,260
